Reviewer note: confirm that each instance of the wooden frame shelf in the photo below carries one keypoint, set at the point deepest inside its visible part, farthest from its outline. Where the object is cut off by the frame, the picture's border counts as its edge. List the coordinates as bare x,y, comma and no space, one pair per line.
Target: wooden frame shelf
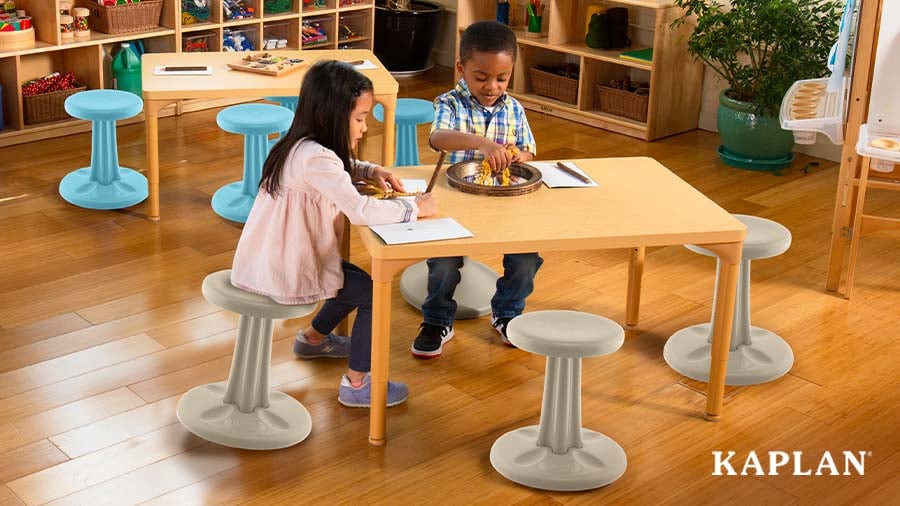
168,37
674,76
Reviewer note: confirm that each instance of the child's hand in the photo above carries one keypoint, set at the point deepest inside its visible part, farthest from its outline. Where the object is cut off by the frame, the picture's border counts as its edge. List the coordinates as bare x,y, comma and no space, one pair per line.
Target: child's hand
496,155
519,156
428,204
385,178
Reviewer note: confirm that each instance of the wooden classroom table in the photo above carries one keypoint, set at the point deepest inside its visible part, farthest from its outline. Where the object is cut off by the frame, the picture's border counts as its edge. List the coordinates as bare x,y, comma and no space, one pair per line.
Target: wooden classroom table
160,91
638,203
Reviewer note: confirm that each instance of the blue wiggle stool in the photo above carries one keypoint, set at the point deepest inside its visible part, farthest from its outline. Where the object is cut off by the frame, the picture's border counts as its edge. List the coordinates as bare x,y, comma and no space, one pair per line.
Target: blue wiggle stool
255,121
410,112
287,103
103,185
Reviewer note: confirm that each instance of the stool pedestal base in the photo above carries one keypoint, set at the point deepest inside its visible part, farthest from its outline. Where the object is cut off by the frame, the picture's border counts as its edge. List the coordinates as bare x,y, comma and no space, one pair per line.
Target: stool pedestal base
600,461
285,422
764,357
473,294
81,189
244,412
559,454
232,203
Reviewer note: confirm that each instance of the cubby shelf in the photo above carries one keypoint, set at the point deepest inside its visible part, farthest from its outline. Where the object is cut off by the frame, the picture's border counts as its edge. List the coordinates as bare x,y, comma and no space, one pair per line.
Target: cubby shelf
91,65
674,76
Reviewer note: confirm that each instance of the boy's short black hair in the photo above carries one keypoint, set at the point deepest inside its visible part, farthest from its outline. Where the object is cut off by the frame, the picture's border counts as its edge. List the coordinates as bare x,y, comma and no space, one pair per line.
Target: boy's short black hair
487,37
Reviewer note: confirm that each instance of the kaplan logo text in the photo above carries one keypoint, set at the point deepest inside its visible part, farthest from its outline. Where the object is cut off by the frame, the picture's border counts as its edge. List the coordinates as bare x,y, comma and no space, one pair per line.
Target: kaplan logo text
773,463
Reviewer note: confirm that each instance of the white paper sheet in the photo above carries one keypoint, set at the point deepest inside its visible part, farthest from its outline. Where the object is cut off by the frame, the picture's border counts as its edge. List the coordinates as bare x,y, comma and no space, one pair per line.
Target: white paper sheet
421,231
366,64
555,178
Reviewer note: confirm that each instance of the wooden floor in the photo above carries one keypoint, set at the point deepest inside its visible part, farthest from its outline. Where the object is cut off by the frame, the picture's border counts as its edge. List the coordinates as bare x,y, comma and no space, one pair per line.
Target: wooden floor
103,327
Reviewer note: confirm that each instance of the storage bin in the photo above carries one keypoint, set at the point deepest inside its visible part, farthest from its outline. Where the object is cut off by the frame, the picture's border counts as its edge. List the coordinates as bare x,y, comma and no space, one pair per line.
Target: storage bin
623,103
126,18
47,106
551,85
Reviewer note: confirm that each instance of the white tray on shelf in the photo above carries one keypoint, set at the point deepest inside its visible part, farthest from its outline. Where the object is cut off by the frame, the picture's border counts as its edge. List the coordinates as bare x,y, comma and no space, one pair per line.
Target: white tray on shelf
828,115
883,158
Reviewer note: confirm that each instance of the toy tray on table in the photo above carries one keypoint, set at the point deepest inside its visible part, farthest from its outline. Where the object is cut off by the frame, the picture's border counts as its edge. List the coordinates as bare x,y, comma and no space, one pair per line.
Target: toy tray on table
268,64
524,179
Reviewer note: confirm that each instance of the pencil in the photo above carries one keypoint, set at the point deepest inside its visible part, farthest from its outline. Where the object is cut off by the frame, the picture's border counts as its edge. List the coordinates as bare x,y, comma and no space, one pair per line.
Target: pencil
573,173
437,170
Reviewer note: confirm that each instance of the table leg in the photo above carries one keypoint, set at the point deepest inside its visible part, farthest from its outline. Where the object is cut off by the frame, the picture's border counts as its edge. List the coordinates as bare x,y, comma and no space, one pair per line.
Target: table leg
844,209
388,146
635,274
728,265
151,117
343,328
383,272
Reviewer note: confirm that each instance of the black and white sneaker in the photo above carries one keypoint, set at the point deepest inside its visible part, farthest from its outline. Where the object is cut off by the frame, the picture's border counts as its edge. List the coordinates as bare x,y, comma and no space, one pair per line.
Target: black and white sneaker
500,325
430,341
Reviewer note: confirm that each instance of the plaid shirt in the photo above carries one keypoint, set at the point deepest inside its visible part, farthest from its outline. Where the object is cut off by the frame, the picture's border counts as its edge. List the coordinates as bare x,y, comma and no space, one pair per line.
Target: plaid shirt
459,110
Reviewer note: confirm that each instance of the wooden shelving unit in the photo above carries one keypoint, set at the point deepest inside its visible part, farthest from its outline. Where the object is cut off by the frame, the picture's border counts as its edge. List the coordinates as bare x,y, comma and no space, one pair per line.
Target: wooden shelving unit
675,78
90,59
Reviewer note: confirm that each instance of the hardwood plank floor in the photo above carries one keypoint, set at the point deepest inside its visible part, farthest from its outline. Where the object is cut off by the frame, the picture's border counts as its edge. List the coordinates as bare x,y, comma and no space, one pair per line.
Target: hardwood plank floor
103,328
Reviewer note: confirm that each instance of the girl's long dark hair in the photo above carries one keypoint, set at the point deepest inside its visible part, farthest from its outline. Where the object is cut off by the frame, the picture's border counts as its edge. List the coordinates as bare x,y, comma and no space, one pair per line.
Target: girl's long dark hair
328,95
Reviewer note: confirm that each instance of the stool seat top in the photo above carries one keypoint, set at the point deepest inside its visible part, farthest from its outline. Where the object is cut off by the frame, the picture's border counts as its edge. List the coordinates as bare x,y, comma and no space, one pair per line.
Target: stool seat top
765,239
409,111
255,119
565,334
103,105
218,290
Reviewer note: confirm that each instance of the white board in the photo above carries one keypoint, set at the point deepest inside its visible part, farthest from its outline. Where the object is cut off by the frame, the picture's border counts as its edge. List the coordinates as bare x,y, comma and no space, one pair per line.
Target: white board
884,102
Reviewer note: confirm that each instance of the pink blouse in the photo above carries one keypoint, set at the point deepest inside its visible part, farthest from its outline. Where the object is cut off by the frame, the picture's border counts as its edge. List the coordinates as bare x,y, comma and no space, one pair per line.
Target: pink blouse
290,247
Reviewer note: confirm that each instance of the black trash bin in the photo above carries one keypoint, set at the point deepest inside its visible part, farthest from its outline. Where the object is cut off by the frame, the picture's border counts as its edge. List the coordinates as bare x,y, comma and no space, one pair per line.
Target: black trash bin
404,39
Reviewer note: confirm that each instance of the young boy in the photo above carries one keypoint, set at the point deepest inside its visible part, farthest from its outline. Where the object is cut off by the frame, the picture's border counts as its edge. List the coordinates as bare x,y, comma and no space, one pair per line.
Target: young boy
478,120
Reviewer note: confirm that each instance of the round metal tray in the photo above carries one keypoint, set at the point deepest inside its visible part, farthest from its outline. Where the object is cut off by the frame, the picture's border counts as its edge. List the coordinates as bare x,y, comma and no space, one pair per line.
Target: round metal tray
528,176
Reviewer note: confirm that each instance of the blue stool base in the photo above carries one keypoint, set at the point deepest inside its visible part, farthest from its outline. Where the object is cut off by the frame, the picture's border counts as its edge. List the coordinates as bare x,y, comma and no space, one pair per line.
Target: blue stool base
231,203
77,188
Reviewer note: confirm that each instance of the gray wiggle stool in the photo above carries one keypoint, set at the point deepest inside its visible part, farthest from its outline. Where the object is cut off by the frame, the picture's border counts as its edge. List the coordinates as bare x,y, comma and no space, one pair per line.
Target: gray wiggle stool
756,354
559,454
243,412
477,285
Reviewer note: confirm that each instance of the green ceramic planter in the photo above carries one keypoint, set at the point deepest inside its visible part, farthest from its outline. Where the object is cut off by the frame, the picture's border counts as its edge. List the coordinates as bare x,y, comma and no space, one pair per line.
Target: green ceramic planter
752,139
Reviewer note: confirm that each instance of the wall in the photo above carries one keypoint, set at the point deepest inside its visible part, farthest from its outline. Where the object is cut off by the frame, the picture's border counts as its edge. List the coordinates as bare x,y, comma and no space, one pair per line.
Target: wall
444,52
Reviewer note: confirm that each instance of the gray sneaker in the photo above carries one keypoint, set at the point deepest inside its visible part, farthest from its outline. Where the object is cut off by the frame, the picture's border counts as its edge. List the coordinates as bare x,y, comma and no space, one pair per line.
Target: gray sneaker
361,397
333,346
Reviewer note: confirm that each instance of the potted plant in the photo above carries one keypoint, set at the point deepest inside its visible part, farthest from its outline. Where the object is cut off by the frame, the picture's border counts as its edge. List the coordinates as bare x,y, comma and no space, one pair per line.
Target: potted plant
760,48
405,33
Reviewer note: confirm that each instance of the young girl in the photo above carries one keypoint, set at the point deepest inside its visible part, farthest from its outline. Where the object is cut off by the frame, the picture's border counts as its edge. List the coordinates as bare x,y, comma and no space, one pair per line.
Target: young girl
289,249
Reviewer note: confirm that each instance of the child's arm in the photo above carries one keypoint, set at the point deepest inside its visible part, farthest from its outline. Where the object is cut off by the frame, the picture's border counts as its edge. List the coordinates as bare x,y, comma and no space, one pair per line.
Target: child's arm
445,136
367,170
326,175
452,140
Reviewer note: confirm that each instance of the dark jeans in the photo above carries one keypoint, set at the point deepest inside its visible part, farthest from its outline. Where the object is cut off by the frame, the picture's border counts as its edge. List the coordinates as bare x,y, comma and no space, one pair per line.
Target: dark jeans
513,287
356,294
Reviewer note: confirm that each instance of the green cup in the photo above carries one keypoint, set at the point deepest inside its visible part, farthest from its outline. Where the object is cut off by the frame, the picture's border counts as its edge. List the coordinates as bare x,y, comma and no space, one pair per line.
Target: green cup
534,24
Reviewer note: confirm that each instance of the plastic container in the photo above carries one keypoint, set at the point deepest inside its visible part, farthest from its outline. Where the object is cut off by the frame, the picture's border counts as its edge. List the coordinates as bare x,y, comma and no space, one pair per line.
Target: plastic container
126,68
66,28
82,30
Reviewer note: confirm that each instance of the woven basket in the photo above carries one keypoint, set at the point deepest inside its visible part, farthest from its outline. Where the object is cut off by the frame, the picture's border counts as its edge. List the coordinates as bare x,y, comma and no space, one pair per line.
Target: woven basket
623,103
48,106
127,18
551,85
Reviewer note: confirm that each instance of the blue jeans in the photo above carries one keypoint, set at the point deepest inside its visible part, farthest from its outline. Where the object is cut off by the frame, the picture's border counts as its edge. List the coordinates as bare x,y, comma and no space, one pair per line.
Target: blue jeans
356,294
508,301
